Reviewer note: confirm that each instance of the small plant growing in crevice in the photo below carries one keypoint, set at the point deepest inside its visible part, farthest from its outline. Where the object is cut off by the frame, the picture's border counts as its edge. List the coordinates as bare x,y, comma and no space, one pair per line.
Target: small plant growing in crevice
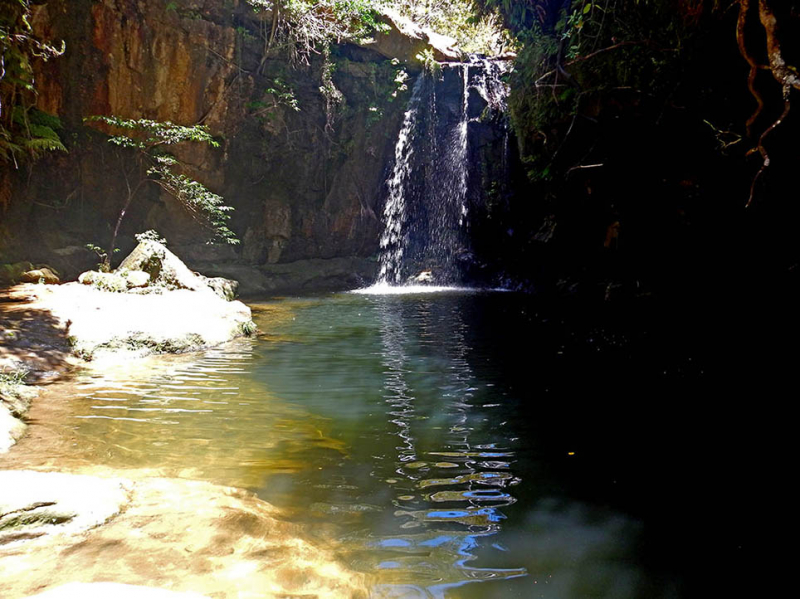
333,97
150,235
278,95
13,377
429,64
248,328
105,264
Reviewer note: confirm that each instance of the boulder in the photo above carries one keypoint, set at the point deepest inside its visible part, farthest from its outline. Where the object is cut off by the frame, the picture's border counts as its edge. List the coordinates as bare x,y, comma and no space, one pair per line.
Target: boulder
135,278
12,273
44,274
165,269
425,276
404,40
225,288
105,281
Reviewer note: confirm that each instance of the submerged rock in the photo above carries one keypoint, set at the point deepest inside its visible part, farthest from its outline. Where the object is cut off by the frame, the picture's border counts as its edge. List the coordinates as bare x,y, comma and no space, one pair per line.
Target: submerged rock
185,536
103,590
35,505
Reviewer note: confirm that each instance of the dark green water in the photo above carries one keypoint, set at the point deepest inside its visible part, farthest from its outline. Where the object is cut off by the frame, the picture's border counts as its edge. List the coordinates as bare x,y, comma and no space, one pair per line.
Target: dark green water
454,444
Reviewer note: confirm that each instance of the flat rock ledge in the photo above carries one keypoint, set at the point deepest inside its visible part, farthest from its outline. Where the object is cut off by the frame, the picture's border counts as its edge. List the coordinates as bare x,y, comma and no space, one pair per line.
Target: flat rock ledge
67,535
99,322
47,329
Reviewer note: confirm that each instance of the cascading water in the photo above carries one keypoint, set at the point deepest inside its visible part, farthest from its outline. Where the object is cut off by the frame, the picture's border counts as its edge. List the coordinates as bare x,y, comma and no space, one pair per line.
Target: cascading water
426,215
393,241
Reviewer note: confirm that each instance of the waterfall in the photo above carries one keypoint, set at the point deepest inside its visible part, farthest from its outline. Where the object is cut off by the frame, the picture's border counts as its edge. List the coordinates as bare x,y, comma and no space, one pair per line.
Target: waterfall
426,213
393,240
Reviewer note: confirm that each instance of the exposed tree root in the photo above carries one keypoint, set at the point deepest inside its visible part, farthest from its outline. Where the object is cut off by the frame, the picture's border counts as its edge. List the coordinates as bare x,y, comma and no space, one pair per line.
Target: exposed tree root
762,150
784,73
744,7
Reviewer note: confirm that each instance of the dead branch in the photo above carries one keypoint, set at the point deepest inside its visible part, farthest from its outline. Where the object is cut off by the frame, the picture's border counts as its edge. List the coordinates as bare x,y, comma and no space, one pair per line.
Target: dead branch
581,166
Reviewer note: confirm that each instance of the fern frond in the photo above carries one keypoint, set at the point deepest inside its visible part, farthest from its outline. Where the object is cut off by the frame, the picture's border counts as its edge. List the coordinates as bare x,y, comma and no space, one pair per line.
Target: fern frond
43,144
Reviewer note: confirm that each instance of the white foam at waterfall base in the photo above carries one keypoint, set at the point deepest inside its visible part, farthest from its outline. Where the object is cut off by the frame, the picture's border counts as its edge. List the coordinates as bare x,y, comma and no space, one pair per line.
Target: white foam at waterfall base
388,289
384,288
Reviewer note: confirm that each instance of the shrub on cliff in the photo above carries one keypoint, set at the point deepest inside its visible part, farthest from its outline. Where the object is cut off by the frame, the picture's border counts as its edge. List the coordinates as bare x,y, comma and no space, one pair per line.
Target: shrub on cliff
142,142
24,131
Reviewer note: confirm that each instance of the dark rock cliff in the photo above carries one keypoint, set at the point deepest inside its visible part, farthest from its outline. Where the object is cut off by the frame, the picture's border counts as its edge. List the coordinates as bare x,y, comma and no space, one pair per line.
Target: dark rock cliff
304,169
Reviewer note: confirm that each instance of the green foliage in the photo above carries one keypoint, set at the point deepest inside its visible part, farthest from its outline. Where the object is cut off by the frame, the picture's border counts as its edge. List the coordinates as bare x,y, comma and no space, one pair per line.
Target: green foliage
303,25
146,141
13,377
146,134
429,64
104,264
277,95
309,24
247,328
24,131
284,94
204,205
150,235
479,33
584,53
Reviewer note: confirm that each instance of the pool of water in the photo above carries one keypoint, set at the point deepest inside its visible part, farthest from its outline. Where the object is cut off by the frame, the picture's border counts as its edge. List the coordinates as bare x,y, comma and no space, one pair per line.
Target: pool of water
459,444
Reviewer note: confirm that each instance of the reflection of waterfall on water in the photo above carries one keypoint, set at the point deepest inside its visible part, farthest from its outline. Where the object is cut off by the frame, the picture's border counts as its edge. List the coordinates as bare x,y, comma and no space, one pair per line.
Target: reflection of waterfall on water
427,208
398,394
448,489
